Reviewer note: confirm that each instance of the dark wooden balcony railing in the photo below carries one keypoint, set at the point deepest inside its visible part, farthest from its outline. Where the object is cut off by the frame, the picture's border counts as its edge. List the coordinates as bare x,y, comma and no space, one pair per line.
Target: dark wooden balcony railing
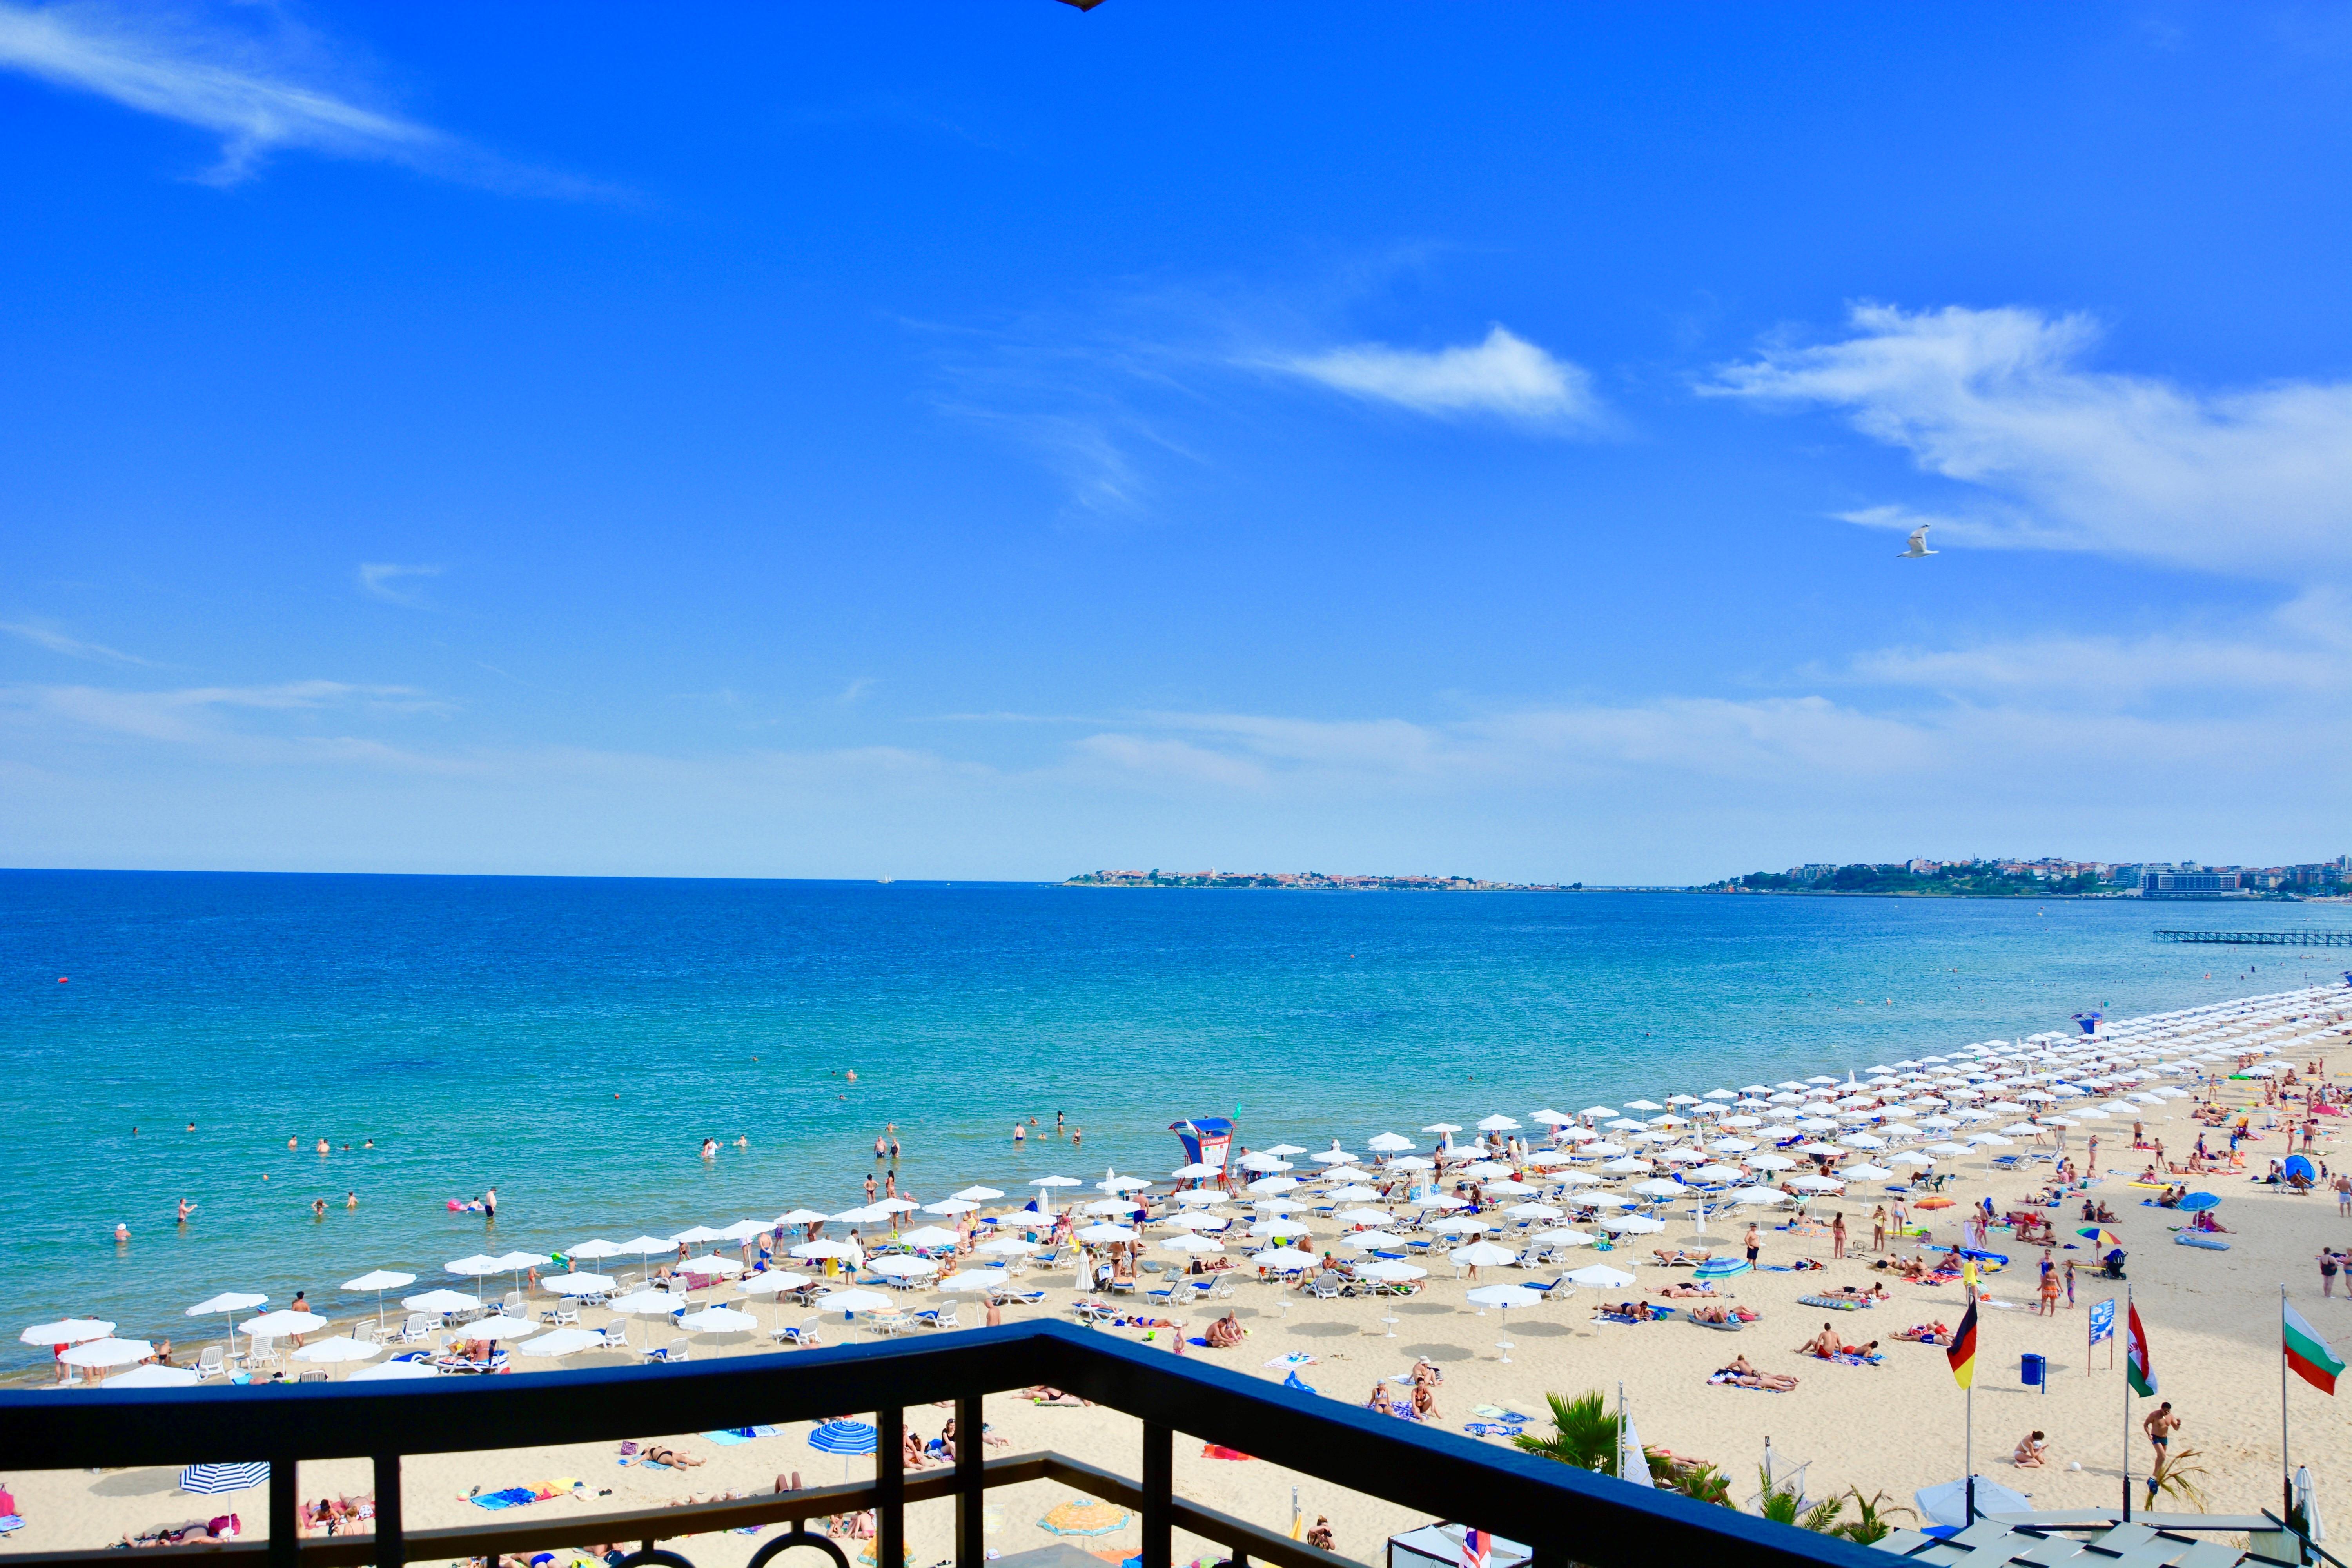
1565,1514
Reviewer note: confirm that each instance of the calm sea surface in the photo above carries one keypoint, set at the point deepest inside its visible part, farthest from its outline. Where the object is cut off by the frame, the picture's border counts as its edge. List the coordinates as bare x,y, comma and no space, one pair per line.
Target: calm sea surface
571,1042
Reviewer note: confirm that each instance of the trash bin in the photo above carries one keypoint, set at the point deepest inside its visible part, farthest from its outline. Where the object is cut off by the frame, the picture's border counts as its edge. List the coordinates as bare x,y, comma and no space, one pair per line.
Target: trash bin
2031,1370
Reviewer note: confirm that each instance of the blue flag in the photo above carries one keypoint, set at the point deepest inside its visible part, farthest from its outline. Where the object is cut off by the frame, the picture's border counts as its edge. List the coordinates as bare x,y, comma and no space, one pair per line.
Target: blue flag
2102,1321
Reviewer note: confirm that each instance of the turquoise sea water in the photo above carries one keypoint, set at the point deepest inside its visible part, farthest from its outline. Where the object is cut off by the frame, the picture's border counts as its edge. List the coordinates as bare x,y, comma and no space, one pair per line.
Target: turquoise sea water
571,1042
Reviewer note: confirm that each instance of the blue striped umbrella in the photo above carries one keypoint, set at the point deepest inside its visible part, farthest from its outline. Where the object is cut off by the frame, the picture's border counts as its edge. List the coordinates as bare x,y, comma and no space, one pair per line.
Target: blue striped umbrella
844,1437
207,1480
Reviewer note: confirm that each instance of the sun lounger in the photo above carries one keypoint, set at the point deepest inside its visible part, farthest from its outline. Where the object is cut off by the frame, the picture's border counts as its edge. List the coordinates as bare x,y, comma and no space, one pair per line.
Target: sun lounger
211,1362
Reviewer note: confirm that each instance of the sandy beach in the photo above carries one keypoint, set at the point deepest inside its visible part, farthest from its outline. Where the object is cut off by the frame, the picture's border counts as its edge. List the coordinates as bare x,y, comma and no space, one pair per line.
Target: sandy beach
2211,1319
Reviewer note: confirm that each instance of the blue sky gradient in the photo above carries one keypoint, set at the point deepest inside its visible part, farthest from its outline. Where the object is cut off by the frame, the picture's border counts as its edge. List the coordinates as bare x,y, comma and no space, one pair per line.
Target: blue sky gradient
999,441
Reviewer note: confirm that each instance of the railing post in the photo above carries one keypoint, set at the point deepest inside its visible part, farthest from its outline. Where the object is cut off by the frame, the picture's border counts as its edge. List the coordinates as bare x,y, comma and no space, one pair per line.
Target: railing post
285,1506
889,1487
1158,1486
971,1485
391,1547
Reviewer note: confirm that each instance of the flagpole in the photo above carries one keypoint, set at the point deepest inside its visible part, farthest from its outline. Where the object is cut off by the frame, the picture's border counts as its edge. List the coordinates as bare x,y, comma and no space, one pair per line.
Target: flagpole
2125,1327
1968,1449
2286,1465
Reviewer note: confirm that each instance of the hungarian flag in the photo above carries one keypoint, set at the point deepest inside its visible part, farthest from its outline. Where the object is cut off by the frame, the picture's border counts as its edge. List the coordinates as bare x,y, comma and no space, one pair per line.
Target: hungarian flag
2308,1354
1963,1353
2137,1370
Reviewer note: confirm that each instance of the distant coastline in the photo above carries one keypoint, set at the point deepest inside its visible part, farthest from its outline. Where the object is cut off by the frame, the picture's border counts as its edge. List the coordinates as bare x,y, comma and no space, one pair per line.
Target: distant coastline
1310,881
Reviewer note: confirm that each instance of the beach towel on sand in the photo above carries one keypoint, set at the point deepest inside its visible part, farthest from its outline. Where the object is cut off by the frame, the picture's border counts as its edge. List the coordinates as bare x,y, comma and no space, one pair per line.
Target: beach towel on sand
513,1497
1489,1429
1833,1303
1857,1360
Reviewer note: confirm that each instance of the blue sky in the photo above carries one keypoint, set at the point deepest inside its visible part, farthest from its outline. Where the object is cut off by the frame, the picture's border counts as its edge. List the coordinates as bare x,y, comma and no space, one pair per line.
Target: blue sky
998,441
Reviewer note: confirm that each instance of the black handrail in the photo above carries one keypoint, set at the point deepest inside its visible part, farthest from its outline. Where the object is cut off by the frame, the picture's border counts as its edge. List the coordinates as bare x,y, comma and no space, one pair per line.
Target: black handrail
1561,1512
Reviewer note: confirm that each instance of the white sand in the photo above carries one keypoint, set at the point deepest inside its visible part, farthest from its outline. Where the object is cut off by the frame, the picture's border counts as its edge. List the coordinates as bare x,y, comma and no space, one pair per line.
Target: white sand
2211,1319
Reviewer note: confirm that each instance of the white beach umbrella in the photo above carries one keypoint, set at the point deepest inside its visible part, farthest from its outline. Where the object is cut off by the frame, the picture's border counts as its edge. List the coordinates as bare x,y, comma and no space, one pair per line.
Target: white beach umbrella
1566,1237
1274,1185
902,1266
1347,1173
475,1266
1602,1201
1716,1176
1388,1143
1630,1224
697,1235
1498,1123
1626,1166
745,1229
154,1377
1948,1149
395,1371
106,1352
974,1279
1532,1211
1442,1127
1199,1170
1192,1241
1866,1172
1482,1254
719,1320
1437,1200
499,1327
1106,1231
1390,1271
1504,1296
1199,1221
1460,1225
1366,1240
1007,1246
580,1284
823,1248
771,1282
279,1324
379,1282
647,1303
441,1301
1818,1185
1362,1216
592,1251
1911,1157
341,1348
76,1331
808,1216
1277,1228
1411,1163
864,1214
854,1301
951,1207
1510,1188
648,1245
1659,1187
1284,1259
930,1236
1354,1192
1600,1277
561,1341
710,1264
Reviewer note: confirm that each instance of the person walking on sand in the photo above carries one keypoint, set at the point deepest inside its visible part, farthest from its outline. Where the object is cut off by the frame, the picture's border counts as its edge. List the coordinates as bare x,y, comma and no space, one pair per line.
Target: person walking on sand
1878,1228
2327,1267
1753,1243
2160,1424
2070,1284
1837,1234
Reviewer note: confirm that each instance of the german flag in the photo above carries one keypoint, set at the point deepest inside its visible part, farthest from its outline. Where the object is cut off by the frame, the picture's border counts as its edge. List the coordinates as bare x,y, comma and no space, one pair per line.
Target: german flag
1963,1353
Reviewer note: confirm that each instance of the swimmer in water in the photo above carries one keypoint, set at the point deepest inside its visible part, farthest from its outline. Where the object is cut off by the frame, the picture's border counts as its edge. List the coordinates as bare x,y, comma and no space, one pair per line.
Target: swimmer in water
323,1146
853,1075
350,1200
293,1142
881,1146
318,1208
489,1203
121,1232
742,1141
186,1208
710,1148
368,1144
1020,1134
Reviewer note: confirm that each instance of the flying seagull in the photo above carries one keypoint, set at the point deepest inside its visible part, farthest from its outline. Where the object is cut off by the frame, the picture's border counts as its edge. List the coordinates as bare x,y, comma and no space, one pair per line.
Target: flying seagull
1917,550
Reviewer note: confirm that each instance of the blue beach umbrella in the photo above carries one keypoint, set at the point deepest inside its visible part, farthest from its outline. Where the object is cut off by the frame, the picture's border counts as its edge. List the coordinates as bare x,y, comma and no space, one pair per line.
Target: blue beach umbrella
210,1480
2196,1203
844,1437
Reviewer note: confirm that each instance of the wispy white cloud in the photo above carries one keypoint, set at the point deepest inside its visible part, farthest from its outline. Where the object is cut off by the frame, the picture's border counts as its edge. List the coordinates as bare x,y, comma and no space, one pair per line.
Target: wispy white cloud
190,714
249,77
2254,482
383,579
1503,374
72,647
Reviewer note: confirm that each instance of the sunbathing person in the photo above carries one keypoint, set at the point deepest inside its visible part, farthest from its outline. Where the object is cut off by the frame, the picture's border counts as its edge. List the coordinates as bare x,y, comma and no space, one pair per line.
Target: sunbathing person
1824,1344
1717,1313
1427,1371
1741,1374
1424,1402
1226,1333
655,1454
1684,1289
2032,1452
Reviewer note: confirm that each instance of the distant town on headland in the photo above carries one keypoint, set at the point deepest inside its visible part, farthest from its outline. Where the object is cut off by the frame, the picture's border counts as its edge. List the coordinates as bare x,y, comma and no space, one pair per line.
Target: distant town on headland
2042,878
1309,881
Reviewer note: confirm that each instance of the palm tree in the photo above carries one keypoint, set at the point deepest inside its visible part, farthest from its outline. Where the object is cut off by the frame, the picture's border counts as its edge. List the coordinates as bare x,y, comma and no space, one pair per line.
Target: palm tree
1585,1433
1870,1523
1783,1504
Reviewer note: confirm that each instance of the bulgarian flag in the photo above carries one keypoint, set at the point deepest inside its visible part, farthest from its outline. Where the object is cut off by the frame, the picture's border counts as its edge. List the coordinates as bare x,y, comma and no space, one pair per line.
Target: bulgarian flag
1963,1353
2138,1371
2307,1353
